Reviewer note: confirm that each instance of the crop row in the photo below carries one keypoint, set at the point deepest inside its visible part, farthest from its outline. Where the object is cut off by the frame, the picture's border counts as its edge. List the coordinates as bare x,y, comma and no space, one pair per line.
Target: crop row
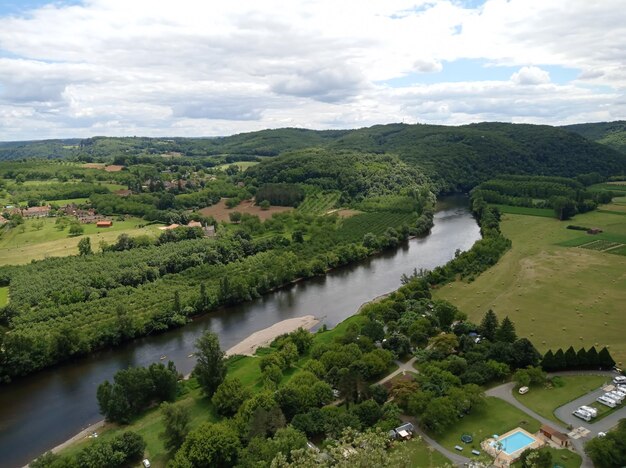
600,245
376,222
318,203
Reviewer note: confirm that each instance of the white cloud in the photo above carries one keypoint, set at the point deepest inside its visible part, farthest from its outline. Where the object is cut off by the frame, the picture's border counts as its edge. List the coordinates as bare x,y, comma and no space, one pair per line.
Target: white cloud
530,76
156,67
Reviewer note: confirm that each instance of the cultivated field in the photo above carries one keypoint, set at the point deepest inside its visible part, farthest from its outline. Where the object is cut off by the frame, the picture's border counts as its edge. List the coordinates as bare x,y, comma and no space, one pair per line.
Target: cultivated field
319,203
220,212
18,247
557,295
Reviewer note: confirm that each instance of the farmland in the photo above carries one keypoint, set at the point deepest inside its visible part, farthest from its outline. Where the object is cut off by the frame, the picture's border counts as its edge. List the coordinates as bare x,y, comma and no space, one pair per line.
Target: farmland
557,295
39,238
355,227
319,203
221,212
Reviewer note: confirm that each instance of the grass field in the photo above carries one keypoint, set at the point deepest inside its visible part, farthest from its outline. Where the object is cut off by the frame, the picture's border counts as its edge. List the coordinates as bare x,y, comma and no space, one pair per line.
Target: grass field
423,455
544,401
495,417
556,295
4,296
523,210
221,212
17,247
563,458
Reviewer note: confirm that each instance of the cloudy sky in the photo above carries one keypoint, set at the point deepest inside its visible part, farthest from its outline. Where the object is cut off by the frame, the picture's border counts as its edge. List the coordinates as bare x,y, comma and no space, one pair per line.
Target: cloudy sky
214,67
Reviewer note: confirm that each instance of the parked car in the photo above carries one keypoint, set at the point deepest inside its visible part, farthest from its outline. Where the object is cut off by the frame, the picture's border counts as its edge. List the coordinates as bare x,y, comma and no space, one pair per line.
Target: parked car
582,415
601,434
523,390
592,411
606,401
146,463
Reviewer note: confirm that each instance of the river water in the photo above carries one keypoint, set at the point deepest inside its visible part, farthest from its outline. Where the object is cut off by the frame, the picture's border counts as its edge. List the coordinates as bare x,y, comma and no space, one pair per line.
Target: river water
45,409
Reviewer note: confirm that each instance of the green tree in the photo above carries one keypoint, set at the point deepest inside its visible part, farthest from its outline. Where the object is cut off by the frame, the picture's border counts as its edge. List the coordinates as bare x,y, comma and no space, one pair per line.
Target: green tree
489,325
559,360
297,236
506,332
229,396
235,217
209,445
547,362
440,414
521,378
535,458
571,358
76,229
210,369
593,360
605,360
581,356
84,246
289,353
265,205
176,421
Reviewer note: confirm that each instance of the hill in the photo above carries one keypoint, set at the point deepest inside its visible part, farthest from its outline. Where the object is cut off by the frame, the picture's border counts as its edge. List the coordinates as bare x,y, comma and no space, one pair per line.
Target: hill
455,158
612,134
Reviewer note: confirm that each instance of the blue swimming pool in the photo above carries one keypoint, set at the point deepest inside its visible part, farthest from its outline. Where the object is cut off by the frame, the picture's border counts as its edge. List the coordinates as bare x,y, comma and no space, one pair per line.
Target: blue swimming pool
514,442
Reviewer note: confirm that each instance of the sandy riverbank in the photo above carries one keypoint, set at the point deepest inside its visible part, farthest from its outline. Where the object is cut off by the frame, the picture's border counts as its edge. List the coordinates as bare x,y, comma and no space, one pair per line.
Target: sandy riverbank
264,337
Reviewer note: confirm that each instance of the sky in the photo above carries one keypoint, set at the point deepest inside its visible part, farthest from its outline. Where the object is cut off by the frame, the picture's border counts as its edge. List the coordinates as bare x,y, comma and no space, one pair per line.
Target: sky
81,68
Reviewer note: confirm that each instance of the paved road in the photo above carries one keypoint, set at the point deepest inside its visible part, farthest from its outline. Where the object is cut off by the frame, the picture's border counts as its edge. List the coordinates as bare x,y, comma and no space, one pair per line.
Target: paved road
505,392
402,367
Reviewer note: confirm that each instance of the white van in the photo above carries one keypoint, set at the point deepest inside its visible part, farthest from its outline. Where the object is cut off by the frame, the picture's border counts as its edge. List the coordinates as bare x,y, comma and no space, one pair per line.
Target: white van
620,379
606,401
523,390
582,415
588,409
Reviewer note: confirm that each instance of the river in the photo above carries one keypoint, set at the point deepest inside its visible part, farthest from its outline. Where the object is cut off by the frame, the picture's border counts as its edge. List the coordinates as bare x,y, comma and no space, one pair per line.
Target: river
41,411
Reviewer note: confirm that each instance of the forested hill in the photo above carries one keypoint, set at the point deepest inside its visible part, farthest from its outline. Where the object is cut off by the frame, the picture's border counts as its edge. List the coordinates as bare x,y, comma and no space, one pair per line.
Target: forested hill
611,134
454,157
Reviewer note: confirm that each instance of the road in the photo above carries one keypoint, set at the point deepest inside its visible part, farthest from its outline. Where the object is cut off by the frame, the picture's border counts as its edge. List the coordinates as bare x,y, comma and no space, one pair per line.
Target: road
402,367
505,392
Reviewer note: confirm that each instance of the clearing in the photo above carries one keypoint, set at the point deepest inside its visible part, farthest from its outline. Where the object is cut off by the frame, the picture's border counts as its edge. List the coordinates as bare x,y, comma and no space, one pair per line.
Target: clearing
557,295
25,243
423,455
220,211
544,400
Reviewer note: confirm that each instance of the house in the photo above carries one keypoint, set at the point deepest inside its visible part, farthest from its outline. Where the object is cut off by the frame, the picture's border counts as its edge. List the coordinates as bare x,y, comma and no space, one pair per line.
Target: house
193,224
554,436
209,231
123,193
36,211
170,227
104,224
402,432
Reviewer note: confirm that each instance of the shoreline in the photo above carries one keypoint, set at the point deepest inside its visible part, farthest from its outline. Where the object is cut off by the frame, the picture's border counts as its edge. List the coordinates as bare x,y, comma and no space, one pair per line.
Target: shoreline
246,347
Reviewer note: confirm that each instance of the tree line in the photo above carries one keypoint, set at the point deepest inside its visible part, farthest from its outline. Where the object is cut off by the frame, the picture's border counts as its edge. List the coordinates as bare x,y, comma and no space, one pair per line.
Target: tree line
573,360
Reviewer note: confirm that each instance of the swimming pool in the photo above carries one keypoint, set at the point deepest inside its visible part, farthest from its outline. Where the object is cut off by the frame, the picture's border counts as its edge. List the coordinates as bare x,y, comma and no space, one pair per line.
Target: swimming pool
514,442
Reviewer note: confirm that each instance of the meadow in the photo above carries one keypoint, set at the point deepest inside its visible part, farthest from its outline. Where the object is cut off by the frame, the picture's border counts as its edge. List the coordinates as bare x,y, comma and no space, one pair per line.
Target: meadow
556,294
28,242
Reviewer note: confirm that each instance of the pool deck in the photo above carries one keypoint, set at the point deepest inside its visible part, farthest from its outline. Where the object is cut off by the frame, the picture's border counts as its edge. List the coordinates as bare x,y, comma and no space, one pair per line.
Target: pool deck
504,459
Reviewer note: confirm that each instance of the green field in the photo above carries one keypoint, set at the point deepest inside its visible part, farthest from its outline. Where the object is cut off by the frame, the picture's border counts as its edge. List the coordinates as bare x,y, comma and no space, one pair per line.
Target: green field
319,203
423,455
494,417
19,246
556,295
523,210
4,296
357,226
544,400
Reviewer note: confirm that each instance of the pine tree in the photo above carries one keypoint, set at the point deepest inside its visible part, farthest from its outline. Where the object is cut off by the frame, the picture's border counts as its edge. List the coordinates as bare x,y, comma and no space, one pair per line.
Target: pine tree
559,360
506,332
593,360
583,361
489,325
605,360
547,363
571,359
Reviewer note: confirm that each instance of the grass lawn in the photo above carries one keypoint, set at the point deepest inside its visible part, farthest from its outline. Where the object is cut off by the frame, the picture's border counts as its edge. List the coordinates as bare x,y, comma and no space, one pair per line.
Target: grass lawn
4,296
544,401
560,457
242,165
423,455
524,210
495,417
68,201
25,243
557,296
603,410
